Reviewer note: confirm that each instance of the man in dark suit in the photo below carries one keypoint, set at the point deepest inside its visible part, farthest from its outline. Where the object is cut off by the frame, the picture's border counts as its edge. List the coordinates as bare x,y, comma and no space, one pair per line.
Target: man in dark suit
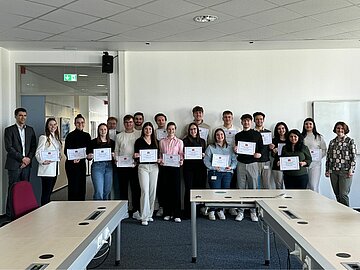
20,145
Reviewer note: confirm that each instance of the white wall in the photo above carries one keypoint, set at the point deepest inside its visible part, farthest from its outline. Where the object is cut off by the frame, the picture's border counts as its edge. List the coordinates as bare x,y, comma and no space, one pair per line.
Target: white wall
282,84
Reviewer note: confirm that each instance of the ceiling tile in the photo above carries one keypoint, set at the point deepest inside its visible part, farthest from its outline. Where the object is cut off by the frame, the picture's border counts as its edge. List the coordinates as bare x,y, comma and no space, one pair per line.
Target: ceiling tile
353,25
339,15
196,35
233,26
244,7
84,34
142,34
319,32
99,8
297,25
8,21
206,3
18,33
349,35
272,16
21,7
260,33
46,26
283,2
54,3
69,18
310,7
137,18
171,27
130,3
109,27
170,8
118,38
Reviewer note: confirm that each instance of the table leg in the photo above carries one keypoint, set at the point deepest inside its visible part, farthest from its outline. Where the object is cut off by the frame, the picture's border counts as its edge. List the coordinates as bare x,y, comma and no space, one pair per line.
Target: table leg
117,241
193,232
267,245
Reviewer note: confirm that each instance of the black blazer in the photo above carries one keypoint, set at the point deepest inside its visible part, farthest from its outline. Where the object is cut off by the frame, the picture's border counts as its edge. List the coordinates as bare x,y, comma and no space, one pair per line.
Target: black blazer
14,148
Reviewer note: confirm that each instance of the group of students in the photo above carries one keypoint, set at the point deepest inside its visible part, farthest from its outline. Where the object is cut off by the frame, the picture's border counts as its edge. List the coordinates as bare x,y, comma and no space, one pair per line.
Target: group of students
245,155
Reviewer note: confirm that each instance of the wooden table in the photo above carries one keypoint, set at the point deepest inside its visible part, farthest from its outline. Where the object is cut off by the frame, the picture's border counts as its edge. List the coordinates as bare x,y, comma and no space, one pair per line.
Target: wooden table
61,235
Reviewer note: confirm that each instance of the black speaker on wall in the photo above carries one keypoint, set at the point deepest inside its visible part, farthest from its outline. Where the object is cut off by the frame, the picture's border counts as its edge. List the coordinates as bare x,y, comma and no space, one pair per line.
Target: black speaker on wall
107,63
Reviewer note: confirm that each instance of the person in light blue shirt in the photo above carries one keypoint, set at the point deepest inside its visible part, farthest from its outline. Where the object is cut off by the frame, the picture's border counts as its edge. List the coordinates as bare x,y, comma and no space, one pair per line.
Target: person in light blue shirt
220,160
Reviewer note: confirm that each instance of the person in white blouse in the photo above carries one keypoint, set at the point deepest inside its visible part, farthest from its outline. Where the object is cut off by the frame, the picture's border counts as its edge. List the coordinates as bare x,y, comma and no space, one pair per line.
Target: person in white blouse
48,156
317,146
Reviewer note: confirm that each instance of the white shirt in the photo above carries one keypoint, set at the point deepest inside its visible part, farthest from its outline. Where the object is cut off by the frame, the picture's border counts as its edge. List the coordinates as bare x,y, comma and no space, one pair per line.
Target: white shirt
22,137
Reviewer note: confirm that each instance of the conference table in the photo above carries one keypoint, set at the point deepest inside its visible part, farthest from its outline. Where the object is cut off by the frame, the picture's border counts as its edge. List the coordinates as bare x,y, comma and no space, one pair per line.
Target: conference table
61,235
320,232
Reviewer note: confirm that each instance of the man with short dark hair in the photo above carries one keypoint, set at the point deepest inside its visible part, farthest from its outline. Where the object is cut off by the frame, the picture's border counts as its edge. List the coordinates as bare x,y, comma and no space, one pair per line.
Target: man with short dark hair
204,129
138,121
160,120
112,126
264,160
248,154
20,145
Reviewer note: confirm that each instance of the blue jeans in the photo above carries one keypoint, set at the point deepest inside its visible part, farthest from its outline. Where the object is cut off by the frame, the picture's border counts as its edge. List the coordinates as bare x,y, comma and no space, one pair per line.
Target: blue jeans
219,180
101,175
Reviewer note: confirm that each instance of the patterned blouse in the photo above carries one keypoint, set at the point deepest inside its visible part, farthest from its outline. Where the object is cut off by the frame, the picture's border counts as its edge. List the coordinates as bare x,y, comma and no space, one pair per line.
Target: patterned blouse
341,155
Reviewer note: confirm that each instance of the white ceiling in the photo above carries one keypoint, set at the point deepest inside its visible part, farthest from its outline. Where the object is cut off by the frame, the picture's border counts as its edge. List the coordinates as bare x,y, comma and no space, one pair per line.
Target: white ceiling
169,25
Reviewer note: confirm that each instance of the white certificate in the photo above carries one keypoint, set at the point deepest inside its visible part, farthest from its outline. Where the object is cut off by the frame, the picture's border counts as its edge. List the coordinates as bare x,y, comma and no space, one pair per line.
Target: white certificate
124,161
102,154
148,155
78,153
230,135
289,163
171,160
161,134
203,132
193,152
266,137
280,147
315,154
246,148
221,161
51,155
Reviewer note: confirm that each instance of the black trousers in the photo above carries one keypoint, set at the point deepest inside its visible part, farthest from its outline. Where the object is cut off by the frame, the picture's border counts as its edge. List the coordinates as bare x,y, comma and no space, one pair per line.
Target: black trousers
128,175
296,182
160,188
76,175
172,204
47,186
194,178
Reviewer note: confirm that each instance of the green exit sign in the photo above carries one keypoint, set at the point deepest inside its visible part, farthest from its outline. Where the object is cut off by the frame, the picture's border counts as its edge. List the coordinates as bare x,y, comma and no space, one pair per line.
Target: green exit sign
70,77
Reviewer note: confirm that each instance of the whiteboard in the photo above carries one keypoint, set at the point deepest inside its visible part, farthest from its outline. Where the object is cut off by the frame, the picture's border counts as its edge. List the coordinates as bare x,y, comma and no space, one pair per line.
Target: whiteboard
326,114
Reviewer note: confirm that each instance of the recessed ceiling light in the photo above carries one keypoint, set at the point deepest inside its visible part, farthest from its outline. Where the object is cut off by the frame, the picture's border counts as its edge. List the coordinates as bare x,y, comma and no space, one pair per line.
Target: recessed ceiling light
83,75
100,85
205,18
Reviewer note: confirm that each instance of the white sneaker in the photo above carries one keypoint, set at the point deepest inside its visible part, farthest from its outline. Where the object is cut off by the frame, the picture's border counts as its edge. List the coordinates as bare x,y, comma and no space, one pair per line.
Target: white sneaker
160,212
254,217
144,223
167,218
136,215
212,215
240,216
177,220
221,215
233,211
151,219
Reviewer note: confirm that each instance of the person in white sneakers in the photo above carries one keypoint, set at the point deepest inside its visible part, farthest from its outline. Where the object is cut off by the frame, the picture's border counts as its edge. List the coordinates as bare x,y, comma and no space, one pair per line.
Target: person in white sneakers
220,160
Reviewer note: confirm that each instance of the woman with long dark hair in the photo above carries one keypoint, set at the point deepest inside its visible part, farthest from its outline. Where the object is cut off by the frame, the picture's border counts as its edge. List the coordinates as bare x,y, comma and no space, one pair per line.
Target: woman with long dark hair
76,169
317,147
296,179
48,170
280,132
148,172
194,170
101,171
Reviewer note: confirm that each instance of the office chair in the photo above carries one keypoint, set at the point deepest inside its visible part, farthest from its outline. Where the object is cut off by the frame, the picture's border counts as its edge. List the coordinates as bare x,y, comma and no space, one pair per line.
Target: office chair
22,199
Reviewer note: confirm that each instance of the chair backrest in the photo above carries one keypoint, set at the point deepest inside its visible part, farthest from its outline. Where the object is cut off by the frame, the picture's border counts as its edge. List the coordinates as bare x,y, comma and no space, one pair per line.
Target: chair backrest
23,199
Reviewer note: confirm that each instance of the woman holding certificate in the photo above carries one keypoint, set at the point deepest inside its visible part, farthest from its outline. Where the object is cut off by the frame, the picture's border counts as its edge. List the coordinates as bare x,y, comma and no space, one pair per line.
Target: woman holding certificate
340,162
194,169
146,151
101,150
48,156
220,160
317,146
280,132
75,150
172,153
294,160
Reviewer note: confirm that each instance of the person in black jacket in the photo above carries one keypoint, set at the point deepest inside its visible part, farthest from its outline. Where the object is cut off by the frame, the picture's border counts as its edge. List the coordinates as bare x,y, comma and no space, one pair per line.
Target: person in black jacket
76,169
